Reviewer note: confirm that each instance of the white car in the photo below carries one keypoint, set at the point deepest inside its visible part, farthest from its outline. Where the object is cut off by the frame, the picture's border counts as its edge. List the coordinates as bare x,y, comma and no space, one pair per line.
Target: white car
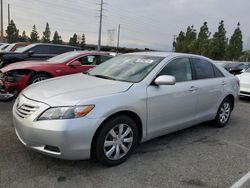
245,83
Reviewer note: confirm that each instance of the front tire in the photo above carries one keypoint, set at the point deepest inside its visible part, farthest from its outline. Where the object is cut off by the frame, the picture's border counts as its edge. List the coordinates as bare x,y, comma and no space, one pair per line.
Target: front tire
116,141
38,78
224,113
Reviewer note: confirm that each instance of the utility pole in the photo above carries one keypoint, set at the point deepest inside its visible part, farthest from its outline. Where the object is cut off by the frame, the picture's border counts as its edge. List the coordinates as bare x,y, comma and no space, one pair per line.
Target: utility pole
118,39
100,28
8,14
2,21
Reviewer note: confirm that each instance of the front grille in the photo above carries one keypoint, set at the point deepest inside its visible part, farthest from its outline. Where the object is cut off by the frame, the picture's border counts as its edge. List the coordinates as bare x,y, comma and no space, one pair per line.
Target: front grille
24,111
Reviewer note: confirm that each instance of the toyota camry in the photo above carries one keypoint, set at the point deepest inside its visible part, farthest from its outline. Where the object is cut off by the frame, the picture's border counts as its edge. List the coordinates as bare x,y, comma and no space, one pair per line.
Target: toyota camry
129,99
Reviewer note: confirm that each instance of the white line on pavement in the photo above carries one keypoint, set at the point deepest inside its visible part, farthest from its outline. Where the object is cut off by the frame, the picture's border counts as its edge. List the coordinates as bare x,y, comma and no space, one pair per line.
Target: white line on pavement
241,181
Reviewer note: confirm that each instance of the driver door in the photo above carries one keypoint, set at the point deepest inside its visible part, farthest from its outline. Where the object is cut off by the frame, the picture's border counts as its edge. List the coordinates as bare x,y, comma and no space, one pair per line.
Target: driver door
172,107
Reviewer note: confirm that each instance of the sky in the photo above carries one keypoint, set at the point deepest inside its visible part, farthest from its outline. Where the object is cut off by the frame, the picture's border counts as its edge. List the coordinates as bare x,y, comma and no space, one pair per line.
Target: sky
144,23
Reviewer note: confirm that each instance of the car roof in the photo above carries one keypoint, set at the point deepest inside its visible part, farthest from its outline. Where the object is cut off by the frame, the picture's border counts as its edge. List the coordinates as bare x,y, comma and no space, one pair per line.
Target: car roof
166,54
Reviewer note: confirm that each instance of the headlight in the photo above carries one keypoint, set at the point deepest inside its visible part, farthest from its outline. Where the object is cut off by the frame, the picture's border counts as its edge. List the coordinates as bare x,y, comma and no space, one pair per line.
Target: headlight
65,112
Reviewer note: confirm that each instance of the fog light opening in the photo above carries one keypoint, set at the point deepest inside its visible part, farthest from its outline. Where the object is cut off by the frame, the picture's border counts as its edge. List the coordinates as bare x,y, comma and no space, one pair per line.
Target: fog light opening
52,148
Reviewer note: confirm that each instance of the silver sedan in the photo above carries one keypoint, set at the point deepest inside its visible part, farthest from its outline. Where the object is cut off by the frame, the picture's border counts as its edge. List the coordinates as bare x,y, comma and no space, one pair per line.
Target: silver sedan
127,100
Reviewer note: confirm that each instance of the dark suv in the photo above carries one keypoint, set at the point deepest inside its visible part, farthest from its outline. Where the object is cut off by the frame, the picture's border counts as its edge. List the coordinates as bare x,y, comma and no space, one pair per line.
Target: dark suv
34,52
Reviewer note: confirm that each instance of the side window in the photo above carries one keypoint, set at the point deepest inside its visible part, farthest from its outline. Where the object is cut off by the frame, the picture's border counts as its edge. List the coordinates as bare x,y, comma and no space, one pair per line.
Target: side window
204,69
88,60
40,49
217,72
60,49
180,68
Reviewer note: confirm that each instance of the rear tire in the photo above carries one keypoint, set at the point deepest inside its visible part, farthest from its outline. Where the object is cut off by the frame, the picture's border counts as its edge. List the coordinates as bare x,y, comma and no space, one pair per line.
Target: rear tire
37,78
224,113
116,141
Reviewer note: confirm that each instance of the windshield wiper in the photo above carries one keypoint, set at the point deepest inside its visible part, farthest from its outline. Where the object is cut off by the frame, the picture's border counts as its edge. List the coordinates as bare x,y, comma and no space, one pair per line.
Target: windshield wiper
103,76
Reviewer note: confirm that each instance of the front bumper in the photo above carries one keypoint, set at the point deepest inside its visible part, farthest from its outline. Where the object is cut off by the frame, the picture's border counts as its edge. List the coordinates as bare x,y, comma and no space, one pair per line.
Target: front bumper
66,139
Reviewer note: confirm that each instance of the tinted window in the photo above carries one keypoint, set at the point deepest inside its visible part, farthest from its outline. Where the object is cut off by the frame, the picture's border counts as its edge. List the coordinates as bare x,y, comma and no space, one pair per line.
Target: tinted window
40,49
180,68
60,49
204,69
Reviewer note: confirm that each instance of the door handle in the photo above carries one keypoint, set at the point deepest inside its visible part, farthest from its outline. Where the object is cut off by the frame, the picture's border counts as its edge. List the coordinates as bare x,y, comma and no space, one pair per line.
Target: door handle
223,83
192,88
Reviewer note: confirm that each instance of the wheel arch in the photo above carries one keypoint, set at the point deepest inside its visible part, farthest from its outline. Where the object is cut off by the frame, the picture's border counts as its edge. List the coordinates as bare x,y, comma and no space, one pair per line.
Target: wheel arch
231,98
130,114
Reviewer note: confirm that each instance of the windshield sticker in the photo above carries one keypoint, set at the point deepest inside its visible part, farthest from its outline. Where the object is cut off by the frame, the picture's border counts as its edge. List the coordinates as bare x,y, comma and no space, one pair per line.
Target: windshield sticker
148,61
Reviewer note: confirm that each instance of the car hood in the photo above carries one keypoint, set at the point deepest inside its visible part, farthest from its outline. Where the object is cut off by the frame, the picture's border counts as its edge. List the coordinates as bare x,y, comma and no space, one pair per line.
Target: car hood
22,65
73,89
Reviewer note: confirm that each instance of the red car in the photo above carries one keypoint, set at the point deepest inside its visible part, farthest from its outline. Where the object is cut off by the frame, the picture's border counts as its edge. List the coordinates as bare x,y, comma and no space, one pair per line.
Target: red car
15,77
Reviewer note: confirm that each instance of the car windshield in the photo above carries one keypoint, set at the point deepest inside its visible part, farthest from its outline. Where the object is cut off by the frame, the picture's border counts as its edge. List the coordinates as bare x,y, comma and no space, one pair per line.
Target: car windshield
24,49
63,57
129,68
9,47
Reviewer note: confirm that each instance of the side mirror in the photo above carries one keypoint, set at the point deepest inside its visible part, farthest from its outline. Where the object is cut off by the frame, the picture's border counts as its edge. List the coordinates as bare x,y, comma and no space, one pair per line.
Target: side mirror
30,53
165,80
75,63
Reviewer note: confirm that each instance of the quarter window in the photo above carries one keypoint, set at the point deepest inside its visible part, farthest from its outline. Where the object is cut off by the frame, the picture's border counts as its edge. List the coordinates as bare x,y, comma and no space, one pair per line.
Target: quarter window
204,69
180,68
217,72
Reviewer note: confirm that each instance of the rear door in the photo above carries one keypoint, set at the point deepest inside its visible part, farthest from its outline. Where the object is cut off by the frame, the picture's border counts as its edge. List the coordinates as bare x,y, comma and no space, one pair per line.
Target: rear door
172,107
210,83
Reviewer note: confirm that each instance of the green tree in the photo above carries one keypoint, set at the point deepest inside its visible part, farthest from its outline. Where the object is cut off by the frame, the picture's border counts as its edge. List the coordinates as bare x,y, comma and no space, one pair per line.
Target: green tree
179,44
73,41
46,34
23,37
218,43
83,42
190,42
12,32
186,42
234,50
203,40
57,39
34,36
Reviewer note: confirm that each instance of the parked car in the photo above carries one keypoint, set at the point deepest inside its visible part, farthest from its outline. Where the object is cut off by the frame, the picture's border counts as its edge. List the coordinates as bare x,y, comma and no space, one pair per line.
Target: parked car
14,46
236,68
15,77
3,47
245,83
126,100
34,52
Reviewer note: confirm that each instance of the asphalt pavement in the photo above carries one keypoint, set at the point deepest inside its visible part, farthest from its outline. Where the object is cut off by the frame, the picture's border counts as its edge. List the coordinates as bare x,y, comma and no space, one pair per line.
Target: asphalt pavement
200,156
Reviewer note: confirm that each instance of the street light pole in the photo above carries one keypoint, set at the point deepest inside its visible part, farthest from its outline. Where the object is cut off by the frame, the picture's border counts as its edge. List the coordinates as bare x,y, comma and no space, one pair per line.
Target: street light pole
100,28
2,21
